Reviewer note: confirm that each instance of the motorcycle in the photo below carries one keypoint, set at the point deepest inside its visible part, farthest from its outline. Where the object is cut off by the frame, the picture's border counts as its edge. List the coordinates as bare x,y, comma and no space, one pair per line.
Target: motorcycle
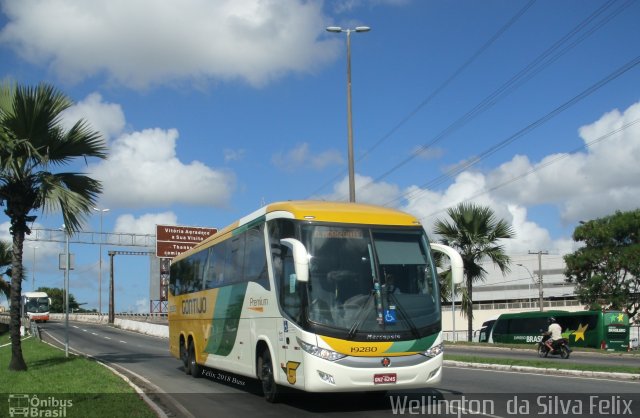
560,347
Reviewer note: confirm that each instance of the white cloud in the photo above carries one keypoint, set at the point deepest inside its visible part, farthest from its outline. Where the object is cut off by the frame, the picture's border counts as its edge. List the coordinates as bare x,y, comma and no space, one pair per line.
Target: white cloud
367,191
586,184
107,118
431,205
233,154
146,42
582,185
145,224
301,156
143,170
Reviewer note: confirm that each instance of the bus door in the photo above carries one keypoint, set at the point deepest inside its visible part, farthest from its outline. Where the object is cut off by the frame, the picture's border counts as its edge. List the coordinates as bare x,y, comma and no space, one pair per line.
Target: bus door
291,291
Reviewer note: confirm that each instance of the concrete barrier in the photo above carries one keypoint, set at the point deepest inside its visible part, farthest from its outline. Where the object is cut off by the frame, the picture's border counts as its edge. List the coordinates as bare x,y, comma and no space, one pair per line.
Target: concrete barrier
157,330
148,328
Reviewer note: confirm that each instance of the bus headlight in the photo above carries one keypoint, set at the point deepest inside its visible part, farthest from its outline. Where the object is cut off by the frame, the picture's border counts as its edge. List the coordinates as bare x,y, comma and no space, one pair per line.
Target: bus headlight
434,351
323,353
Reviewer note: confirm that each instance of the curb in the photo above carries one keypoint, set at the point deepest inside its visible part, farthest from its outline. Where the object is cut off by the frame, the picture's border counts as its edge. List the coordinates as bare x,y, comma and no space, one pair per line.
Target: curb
549,371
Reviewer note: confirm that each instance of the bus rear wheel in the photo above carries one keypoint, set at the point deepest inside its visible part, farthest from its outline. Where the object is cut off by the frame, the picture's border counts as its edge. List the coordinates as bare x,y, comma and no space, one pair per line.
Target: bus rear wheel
194,368
184,357
272,392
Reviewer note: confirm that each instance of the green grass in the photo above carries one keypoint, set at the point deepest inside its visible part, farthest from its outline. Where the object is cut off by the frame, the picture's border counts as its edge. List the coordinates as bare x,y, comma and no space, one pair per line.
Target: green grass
86,387
543,363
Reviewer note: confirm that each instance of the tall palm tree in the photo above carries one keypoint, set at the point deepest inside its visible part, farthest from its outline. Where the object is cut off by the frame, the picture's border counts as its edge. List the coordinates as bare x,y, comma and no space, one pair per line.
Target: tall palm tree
475,232
32,143
5,262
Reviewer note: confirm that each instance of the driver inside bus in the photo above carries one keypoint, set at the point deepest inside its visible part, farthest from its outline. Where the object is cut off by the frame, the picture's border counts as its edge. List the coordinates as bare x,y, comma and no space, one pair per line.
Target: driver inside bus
554,331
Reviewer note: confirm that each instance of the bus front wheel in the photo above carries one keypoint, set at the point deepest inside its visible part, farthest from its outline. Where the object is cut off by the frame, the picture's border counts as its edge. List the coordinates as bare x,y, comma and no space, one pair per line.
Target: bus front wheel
269,386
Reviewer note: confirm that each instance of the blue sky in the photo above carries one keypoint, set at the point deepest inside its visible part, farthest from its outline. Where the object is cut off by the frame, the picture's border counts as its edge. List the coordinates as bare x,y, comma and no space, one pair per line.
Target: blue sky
212,108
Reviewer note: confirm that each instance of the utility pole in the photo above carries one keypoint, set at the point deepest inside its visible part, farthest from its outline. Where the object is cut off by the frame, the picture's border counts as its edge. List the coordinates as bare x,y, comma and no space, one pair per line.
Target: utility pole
540,253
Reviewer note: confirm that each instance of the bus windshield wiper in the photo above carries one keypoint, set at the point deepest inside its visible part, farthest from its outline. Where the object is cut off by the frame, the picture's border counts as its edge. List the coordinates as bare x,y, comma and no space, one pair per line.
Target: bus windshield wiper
406,317
360,316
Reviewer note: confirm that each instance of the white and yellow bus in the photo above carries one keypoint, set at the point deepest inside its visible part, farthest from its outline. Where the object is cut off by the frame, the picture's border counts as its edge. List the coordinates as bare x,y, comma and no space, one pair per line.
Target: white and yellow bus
316,296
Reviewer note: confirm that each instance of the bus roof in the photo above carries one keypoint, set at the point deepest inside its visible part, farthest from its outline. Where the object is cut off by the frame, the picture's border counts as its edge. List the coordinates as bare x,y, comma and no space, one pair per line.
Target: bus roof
538,314
343,212
34,295
316,210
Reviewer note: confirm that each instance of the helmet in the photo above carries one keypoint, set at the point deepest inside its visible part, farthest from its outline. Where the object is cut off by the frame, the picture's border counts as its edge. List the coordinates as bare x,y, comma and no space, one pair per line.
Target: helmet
551,320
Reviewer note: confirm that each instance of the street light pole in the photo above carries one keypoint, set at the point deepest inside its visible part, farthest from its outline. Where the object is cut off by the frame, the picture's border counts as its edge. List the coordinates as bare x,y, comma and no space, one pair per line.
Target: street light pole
337,29
33,273
102,211
533,280
67,264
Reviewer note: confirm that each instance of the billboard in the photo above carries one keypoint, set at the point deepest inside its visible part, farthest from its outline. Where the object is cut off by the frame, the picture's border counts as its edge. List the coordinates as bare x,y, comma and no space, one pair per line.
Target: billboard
172,240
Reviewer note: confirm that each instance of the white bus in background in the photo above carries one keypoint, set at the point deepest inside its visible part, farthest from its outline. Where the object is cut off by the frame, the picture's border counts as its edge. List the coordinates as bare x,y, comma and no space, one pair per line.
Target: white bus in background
35,306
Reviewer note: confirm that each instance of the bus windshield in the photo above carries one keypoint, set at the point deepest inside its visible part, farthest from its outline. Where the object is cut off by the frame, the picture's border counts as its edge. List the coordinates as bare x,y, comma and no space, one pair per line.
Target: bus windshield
37,305
364,279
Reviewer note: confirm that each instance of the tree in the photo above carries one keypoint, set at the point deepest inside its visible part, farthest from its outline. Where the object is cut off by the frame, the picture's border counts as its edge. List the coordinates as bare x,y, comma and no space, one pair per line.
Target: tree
32,143
474,232
606,270
57,299
5,262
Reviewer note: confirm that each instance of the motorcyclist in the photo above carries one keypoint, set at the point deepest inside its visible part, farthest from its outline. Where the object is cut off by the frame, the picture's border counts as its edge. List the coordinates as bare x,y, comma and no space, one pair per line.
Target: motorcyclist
554,331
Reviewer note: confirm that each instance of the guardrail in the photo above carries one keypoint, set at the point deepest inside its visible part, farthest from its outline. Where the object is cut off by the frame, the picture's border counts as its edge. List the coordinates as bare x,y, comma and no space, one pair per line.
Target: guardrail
517,305
158,318
129,322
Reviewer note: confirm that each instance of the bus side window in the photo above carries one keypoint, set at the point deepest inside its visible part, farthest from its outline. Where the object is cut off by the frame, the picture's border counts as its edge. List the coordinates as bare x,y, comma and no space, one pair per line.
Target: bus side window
255,260
174,278
215,273
233,265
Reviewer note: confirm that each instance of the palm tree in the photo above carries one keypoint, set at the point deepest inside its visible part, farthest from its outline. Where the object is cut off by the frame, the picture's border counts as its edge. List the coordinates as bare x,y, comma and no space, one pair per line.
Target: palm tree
5,262
32,143
474,232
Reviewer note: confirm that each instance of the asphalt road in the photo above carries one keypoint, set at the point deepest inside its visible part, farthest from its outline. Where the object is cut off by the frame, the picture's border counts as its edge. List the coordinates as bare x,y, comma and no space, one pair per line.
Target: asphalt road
463,390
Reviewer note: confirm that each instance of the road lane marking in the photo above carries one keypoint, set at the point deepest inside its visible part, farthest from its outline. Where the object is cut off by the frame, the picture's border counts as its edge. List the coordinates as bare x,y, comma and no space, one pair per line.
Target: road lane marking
123,342
107,338
93,333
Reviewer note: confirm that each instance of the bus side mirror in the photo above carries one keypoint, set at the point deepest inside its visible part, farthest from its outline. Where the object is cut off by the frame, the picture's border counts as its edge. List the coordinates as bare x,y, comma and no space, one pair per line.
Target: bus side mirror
457,266
300,258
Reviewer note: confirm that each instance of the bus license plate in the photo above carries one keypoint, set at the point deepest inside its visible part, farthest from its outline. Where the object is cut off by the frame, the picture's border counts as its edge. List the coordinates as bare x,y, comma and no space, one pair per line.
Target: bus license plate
384,378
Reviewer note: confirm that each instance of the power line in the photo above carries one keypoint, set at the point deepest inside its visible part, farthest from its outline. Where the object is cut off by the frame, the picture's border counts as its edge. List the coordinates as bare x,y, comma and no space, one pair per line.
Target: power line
544,165
532,69
496,147
441,87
